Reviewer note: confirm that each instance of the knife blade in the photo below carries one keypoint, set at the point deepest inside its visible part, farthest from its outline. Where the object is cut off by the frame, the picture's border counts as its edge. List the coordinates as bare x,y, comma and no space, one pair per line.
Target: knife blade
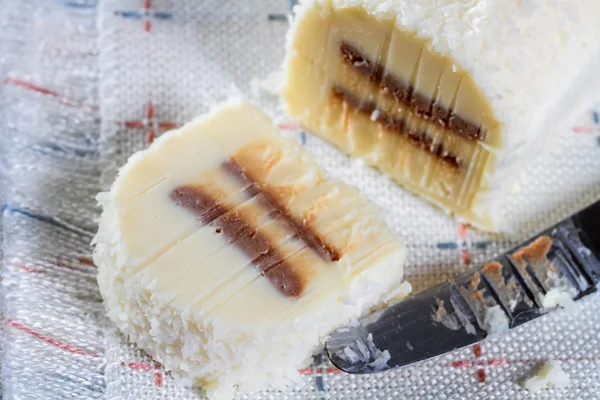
557,266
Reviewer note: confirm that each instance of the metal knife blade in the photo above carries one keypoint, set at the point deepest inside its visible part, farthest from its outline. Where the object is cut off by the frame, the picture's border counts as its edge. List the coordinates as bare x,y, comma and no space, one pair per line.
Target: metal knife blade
505,292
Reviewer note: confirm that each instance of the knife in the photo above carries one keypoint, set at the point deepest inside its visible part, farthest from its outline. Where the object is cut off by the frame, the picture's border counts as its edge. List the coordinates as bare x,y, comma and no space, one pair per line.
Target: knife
555,267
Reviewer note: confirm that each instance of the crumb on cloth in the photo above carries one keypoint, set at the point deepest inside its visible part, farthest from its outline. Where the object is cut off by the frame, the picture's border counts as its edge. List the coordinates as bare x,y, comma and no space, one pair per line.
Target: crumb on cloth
548,374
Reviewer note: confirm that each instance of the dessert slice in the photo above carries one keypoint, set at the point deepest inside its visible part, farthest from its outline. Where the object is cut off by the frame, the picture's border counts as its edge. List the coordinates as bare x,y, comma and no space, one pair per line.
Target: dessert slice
225,253
449,98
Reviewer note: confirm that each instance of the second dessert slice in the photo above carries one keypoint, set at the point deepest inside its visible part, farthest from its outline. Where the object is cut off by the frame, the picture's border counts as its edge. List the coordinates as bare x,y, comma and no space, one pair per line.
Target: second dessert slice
450,98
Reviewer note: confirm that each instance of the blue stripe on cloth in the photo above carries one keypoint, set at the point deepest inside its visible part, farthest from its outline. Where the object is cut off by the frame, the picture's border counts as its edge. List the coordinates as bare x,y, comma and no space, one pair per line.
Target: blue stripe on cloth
50,148
12,209
92,387
161,15
446,245
79,3
596,117
319,381
129,14
453,245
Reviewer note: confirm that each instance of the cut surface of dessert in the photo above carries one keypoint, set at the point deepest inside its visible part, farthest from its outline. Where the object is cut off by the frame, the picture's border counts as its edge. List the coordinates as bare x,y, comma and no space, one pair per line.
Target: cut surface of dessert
429,92
226,253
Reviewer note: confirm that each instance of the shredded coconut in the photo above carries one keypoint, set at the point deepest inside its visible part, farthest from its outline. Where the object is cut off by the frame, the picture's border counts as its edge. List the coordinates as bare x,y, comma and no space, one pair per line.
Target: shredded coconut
558,297
495,321
381,361
381,357
351,355
549,374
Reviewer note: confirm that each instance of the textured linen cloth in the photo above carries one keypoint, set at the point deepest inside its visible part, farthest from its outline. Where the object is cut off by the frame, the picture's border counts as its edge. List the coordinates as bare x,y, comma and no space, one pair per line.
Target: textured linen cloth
85,85
49,162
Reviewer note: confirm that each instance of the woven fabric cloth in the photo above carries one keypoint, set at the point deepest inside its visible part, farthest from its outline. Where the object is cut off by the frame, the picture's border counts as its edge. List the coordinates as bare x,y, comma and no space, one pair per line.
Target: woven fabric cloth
49,159
77,99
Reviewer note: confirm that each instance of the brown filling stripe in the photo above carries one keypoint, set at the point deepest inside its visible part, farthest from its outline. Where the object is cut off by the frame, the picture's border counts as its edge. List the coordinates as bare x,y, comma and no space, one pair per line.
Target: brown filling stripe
237,227
304,232
423,105
253,243
418,138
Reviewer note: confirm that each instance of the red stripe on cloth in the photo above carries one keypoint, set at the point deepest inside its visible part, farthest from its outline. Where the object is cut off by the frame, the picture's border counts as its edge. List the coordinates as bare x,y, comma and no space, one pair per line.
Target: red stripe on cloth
147,26
141,366
582,129
50,340
481,375
147,4
32,270
462,363
70,267
465,257
149,137
30,86
465,253
138,366
149,111
493,362
167,125
164,125
158,379
85,261
310,371
480,371
462,231
477,350
38,89
288,127
134,124
61,265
